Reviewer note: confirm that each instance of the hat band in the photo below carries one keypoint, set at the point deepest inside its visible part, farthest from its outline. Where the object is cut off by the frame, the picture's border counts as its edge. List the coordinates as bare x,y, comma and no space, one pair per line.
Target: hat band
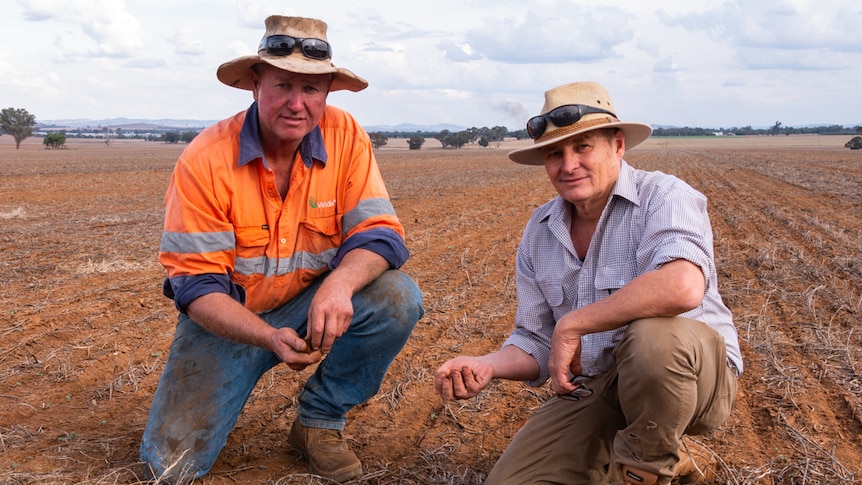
580,125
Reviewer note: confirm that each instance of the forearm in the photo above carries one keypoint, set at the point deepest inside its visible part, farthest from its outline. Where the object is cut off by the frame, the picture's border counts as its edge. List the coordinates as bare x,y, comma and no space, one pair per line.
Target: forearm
466,376
675,288
357,269
512,363
227,318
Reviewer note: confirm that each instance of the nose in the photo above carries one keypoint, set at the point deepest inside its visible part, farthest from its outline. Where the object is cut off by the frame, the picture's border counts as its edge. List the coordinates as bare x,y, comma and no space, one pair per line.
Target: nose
571,160
294,101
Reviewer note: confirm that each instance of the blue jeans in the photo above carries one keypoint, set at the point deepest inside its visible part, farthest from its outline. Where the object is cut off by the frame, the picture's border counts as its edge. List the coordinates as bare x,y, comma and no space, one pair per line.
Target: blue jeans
208,379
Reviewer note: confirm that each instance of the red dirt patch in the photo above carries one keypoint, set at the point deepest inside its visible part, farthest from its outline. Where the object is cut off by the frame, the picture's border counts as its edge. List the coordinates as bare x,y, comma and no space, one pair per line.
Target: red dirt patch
85,330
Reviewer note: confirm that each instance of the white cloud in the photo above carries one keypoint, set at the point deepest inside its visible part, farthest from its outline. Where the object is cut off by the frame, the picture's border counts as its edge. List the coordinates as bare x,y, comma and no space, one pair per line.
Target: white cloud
782,25
115,32
665,65
37,10
184,43
466,62
458,52
145,63
571,34
800,60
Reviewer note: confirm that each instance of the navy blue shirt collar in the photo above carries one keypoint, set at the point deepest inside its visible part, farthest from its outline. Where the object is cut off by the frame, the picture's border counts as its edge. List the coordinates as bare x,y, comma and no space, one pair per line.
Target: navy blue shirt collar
311,147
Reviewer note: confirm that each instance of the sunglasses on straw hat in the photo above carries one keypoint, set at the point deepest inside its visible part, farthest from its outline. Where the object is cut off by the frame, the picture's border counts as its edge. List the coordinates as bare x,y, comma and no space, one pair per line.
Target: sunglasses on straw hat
564,107
561,116
283,45
293,44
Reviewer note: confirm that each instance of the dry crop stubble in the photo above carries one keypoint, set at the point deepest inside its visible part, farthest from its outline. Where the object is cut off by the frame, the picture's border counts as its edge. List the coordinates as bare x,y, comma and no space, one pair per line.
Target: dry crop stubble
86,331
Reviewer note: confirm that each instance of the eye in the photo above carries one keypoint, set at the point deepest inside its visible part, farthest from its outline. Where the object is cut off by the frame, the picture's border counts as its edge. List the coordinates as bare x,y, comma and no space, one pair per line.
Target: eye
553,155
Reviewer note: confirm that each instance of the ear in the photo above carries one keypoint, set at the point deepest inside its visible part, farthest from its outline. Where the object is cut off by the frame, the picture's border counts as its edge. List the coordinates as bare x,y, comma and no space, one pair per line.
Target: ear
255,81
619,143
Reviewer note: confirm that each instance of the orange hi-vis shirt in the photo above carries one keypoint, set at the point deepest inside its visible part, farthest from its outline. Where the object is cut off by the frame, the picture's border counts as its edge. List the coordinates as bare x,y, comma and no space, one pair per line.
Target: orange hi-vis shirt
228,230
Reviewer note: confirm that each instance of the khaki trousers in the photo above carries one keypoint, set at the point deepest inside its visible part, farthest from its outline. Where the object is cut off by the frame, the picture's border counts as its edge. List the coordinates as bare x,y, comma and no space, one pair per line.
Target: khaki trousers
671,378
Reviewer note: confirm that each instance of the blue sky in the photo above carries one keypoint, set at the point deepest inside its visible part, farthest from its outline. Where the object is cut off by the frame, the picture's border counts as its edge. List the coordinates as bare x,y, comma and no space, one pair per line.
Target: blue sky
711,63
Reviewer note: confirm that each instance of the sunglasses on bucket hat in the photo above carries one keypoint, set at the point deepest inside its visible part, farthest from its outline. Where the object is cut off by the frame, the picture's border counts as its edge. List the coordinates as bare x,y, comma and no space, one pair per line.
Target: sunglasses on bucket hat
283,45
561,116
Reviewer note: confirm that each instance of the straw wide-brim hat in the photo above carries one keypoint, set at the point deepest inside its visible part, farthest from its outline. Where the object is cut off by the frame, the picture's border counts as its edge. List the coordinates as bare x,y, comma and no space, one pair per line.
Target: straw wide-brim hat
235,73
584,93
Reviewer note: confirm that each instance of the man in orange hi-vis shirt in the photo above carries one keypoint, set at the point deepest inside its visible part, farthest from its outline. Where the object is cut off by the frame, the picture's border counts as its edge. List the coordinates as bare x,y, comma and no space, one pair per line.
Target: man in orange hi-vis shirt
280,245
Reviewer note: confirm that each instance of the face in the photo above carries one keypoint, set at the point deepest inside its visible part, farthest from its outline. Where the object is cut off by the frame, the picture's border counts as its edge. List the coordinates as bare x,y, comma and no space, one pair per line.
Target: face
584,168
289,105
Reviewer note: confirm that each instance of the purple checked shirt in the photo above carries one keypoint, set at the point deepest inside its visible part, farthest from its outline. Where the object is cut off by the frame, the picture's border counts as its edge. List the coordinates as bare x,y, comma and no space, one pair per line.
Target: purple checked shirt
650,219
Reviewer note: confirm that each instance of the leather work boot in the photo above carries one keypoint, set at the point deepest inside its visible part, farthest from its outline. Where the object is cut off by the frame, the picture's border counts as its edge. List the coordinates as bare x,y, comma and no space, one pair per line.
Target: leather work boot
696,463
327,452
632,475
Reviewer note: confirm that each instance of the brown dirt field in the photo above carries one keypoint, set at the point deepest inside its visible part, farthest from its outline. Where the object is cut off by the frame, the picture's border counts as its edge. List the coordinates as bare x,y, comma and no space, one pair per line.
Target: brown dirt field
85,330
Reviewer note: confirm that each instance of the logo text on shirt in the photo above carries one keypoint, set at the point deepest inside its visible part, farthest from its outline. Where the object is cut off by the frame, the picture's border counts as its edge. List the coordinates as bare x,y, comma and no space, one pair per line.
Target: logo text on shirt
314,204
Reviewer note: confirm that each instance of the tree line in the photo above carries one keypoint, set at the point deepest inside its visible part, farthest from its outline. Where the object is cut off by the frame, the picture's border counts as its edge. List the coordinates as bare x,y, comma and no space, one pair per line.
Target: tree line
777,129
20,125
484,137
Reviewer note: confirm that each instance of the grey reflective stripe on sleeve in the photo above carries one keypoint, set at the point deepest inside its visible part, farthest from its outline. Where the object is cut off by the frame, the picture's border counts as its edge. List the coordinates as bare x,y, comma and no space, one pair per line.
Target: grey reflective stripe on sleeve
197,242
364,210
268,267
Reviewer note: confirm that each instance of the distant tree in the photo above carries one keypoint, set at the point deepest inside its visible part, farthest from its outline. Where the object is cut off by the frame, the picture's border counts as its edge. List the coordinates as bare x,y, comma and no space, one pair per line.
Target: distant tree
473,134
378,139
483,142
18,123
494,135
454,140
55,140
188,136
109,135
441,137
858,129
415,142
776,128
459,139
855,143
172,137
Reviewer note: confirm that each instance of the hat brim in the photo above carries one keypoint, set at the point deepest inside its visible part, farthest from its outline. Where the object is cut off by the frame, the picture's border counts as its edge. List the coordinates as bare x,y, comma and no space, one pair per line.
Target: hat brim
235,73
635,133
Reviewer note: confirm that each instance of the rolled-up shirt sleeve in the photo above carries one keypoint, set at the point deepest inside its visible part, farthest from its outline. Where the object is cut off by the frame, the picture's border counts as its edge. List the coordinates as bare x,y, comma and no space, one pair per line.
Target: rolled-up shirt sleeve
185,289
383,241
677,227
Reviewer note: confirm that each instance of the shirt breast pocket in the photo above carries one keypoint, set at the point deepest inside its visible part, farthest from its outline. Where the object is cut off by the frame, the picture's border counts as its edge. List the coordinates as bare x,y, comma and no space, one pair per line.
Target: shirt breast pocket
251,261
552,289
254,239
612,277
320,234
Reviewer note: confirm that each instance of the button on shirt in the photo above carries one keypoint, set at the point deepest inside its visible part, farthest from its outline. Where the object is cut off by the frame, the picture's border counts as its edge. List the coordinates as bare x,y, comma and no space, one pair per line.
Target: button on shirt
650,219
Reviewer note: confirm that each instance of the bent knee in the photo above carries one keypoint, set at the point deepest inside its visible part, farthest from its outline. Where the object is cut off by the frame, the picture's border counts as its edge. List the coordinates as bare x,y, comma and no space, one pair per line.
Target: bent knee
396,292
659,343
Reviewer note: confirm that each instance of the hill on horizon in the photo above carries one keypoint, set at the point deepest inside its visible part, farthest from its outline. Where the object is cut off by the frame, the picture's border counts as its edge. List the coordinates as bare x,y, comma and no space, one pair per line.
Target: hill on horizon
192,124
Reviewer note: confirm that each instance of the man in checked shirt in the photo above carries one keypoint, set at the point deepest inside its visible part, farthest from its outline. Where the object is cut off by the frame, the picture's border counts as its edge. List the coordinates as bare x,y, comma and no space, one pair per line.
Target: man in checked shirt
618,305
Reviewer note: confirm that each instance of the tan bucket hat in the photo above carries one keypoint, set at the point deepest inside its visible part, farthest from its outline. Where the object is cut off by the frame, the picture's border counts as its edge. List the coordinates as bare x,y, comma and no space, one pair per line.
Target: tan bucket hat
577,107
308,56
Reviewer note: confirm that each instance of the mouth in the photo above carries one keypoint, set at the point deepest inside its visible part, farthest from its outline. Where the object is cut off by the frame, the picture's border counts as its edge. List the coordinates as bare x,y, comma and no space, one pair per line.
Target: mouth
291,119
572,180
